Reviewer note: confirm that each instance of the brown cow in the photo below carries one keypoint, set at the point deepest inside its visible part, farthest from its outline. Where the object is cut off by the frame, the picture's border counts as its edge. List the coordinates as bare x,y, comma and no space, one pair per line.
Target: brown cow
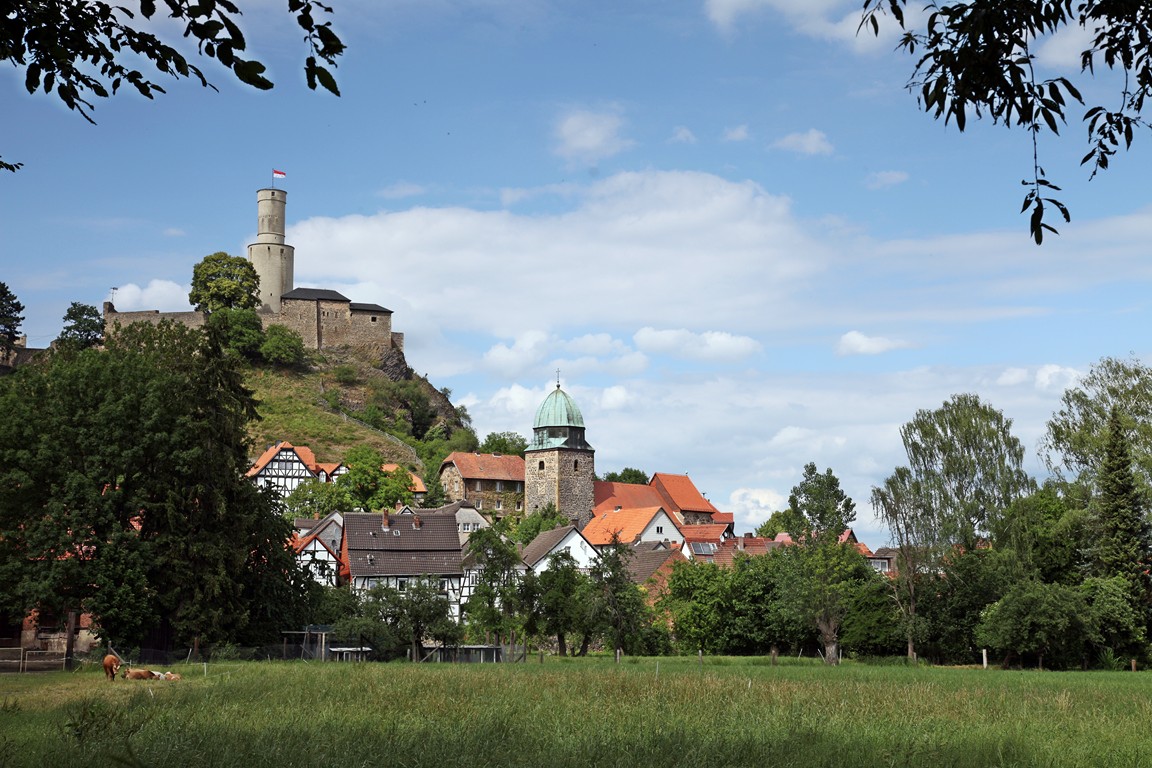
138,674
111,666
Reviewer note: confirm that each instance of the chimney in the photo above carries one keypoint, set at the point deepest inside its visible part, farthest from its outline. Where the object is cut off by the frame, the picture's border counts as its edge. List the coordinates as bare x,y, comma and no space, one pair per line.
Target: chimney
416,522
385,521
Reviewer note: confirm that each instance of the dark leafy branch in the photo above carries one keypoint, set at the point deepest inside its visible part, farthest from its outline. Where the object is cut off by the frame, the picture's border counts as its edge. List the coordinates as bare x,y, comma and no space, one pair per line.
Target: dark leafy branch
976,59
82,49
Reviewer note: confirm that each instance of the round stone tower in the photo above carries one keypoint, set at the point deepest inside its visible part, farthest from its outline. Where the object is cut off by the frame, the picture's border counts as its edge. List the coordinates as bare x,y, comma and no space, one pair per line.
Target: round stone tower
559,464
270,257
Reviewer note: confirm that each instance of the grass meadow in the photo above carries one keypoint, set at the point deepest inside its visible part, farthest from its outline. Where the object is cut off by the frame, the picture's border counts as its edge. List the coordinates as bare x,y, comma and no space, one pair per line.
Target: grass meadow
577,712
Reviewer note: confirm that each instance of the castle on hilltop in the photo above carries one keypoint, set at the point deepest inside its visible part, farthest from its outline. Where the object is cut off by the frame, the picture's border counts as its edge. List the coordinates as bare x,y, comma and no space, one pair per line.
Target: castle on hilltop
323,318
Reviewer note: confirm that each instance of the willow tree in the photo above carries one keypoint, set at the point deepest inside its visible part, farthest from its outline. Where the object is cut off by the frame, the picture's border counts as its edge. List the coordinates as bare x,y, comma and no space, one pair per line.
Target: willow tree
965,467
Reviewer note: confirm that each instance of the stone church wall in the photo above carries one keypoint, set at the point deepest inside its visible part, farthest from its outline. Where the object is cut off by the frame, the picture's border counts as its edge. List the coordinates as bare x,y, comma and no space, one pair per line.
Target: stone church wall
566,474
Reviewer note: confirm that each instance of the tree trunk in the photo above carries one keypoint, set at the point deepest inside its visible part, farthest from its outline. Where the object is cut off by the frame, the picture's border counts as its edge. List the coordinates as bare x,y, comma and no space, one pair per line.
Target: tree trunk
561,647
830,639
70,638
584,643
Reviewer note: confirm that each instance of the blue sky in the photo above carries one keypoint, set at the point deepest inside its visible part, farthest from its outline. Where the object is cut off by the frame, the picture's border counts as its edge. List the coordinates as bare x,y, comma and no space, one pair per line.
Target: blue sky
724,221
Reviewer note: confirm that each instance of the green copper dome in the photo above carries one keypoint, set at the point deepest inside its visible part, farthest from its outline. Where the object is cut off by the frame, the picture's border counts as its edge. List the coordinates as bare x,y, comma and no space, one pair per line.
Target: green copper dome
558,410
558,424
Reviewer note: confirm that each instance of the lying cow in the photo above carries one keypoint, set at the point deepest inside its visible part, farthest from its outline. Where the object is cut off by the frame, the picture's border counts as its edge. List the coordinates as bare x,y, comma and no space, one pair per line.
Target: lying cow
148,674
111,666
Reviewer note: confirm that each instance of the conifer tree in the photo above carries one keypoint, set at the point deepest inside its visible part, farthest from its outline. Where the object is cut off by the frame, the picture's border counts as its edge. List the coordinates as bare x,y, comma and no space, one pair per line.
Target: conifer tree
1121,543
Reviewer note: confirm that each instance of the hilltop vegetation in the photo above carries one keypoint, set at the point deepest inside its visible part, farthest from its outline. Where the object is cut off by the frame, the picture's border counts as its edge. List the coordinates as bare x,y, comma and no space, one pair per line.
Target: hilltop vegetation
340,401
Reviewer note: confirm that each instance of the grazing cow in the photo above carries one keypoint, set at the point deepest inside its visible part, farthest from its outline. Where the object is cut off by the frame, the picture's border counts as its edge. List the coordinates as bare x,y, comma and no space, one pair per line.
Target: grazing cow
111,666
139,674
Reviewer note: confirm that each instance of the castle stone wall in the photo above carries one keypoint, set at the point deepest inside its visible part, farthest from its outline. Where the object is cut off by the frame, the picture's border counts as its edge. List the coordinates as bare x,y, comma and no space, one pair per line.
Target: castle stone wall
154,317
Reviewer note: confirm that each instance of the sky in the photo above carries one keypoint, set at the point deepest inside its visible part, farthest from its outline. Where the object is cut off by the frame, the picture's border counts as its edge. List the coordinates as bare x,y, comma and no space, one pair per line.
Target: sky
725,222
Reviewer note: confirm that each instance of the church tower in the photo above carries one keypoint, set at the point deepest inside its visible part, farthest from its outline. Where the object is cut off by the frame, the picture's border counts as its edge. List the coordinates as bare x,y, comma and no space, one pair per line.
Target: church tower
271,258
559,464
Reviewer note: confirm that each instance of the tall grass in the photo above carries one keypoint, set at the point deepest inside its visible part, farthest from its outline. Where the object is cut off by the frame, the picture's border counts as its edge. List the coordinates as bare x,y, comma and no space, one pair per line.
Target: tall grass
666,712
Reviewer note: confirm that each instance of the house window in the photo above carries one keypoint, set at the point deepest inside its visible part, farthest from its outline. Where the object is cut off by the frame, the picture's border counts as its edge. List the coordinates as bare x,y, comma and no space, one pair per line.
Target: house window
402,585
659,529
478,486
519,506
499,485
499,504
479,504
541,467
519,487
373,318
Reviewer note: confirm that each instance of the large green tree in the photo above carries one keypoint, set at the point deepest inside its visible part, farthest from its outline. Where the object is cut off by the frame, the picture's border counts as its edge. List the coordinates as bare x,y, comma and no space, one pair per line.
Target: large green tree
223,281
506,443
1121,543
968,466
10,318
84,50
978,59
1075,442
122,494
83,326
830,570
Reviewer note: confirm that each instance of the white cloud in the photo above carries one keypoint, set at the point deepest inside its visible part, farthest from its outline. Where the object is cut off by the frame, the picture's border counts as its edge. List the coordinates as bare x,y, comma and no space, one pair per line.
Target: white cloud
885,179
710,345
1056,378
174,232
739,133
810,142
836,20
856,343
752,506
682,135
525,353
163,295
587,137
1012,377
1062,50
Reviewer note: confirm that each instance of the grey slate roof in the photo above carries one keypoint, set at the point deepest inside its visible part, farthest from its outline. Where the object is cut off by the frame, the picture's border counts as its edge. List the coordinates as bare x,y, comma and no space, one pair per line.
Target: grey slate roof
412,545
314,294
542,544
356,306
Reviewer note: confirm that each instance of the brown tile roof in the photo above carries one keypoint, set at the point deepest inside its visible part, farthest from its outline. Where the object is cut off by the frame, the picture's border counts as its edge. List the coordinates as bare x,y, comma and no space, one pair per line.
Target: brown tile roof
411,545
627,524
486,466
644,564
542,544
681,495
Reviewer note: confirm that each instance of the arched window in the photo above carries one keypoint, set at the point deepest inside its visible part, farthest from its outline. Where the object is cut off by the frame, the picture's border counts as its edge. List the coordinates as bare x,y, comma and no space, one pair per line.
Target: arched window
576,465
541,467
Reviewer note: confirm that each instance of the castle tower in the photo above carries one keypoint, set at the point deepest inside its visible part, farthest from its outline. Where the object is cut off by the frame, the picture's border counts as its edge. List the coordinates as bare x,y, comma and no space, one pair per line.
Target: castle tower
272,259
559,464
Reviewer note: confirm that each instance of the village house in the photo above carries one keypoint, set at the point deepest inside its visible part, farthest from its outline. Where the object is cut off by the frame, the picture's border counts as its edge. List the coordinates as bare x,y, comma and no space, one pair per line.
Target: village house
285,467
566,538
492,482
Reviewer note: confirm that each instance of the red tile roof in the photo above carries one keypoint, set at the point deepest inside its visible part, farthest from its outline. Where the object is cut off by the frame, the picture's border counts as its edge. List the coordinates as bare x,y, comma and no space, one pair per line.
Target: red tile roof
712,532
486,466
681,495
302,451
607,496
627,524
